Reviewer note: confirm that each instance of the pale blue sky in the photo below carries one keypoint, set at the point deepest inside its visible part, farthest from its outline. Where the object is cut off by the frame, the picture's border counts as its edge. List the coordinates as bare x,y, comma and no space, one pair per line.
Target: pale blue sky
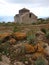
11,7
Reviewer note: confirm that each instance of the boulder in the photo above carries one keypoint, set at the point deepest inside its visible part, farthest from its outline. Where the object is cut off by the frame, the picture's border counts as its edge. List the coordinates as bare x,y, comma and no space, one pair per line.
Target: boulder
20,35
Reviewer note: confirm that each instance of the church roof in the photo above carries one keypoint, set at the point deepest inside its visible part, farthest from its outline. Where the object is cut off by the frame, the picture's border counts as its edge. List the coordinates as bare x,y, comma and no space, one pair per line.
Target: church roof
24,9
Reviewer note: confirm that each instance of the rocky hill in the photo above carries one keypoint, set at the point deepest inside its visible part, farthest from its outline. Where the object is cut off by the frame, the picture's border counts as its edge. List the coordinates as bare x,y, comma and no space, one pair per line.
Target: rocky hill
24,48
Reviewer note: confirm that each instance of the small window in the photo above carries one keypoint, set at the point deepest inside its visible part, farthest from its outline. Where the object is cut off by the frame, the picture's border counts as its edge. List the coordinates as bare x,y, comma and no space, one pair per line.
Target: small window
30,15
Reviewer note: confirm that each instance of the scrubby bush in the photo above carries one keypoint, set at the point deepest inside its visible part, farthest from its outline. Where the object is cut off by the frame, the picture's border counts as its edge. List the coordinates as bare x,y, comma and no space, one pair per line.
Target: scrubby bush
17,53
47,35
33,23
40,61
1,49
4,48
31,39
0,41
43,30
23,59
15,29
39,22
0,57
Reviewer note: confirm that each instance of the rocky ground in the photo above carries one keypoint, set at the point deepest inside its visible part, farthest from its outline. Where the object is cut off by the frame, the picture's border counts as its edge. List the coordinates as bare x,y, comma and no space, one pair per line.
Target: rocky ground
20,49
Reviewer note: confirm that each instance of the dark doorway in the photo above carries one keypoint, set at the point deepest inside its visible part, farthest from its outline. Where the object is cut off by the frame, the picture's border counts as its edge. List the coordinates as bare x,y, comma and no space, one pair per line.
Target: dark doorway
30,15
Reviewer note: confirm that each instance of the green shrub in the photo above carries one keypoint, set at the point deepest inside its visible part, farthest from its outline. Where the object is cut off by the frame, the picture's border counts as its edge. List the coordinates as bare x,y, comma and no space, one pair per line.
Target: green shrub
47,35
15,29
0,42
17,54
45,22
40,61
0,57
43,30
4,48
39,22
33,23
31,39
1,49
23,59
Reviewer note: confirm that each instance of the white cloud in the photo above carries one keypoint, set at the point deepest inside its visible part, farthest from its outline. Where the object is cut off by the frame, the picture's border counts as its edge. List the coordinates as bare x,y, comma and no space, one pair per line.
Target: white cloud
40,2
41,11
10,9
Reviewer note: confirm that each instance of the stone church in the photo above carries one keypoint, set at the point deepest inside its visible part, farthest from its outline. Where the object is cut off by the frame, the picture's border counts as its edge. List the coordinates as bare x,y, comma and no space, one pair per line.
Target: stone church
25,17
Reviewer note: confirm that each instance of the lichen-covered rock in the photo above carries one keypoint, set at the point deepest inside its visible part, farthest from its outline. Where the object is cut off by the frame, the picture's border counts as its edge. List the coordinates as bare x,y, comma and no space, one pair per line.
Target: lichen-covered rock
4,35
12,41
20,35
29,48
36,55
40,48
33,49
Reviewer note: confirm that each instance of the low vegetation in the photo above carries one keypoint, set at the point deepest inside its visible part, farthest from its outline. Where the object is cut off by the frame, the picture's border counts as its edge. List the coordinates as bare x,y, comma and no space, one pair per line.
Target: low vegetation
31,39
47,35
40,61
0,57
23,45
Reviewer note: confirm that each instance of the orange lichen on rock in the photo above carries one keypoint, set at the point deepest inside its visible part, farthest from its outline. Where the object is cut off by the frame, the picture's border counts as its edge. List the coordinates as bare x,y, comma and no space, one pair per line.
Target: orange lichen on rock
4,35
40,48
36,55
29,48
20,35
35,49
